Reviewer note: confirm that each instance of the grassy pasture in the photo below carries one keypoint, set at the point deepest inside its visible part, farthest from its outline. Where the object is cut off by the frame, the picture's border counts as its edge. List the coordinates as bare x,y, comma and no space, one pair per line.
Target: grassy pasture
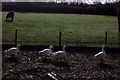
77,29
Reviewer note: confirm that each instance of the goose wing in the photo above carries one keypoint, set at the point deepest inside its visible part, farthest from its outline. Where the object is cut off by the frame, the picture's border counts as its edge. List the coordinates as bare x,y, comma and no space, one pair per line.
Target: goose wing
12,50
100,55
45,52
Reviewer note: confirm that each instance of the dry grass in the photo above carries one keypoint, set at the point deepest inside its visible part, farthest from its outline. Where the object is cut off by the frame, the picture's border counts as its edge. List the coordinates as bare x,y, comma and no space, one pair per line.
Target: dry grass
79,65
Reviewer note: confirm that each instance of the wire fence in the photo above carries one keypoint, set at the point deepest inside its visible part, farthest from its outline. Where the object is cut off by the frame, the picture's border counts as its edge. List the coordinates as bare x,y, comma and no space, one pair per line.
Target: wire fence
60,38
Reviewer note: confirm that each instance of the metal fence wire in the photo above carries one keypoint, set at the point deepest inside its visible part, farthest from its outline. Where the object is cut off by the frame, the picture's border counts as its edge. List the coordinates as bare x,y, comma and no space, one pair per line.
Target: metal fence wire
60,38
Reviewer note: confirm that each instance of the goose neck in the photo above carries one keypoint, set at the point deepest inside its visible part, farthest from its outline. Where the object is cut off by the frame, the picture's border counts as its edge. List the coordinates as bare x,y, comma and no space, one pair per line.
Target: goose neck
63,48
51,50
103,49
18,48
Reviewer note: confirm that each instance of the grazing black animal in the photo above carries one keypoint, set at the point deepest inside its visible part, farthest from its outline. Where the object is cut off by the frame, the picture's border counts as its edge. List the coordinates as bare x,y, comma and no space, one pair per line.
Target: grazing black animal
10,16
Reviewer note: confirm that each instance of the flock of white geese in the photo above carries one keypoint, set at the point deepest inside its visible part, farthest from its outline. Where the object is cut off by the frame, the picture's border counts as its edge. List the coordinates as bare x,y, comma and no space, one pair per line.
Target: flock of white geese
54,55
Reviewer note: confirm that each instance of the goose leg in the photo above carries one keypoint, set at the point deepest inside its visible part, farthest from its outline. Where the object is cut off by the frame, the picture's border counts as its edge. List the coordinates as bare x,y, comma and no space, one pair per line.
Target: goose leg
101,61
65,59
13,55
60,59
51,58
43,57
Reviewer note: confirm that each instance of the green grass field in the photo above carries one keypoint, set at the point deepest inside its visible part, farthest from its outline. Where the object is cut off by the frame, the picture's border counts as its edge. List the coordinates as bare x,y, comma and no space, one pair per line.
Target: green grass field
77,29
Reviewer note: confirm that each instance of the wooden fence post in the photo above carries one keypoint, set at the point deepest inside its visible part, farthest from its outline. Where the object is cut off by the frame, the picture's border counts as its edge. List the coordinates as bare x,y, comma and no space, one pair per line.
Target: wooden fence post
106,38
59,38
118,15
15,37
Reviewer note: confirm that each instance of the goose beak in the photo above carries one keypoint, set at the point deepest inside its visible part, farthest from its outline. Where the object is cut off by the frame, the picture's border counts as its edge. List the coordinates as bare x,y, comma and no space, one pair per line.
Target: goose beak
51,46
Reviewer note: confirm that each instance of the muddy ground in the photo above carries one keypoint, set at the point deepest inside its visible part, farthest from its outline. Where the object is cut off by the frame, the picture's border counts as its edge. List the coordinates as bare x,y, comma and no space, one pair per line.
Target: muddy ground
78,65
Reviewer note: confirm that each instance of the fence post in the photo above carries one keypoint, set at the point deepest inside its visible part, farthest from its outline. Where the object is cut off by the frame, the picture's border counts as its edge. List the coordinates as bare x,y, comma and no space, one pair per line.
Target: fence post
118,15
15,37
59,38
106,38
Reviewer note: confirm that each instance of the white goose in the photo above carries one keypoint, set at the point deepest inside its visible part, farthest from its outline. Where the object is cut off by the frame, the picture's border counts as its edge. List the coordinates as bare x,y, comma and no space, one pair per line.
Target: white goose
13,51
101,55
59,54
46,52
